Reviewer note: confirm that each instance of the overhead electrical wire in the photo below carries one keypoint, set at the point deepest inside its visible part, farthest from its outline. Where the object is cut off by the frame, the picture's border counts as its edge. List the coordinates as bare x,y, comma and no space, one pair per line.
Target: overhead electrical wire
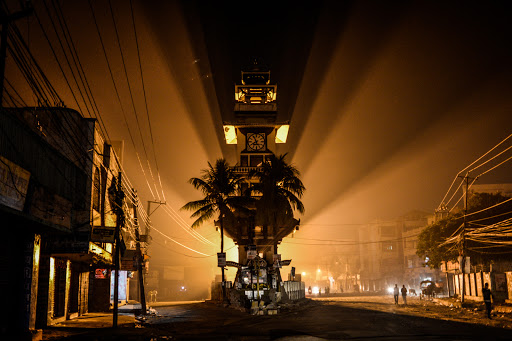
130,92
182,245
184,226
52,90
146,100
36,85
170,212
457,176
489,160
88,95
84,80
80,69
118,95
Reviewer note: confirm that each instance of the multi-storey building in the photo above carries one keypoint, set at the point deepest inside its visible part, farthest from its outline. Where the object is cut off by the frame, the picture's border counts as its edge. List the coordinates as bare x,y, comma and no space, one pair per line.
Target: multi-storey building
55,175
415,269
388,253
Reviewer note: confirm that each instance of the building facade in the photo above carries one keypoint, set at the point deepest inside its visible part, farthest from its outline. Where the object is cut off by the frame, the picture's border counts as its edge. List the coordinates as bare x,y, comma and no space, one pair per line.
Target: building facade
388,253
56,171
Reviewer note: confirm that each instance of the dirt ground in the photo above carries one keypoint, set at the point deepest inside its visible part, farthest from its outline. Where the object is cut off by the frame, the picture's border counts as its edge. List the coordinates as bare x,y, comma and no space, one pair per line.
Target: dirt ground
474,312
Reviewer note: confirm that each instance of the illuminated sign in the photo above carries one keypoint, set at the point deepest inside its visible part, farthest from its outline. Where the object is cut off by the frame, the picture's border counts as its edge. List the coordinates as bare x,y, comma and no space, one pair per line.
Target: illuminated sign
101,273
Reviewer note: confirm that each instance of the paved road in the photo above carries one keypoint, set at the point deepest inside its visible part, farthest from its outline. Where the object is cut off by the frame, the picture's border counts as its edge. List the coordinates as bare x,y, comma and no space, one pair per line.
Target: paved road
312,320
317,320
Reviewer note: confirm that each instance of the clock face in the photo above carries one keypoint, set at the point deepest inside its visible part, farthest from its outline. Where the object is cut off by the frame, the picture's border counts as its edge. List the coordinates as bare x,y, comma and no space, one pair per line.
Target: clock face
256,142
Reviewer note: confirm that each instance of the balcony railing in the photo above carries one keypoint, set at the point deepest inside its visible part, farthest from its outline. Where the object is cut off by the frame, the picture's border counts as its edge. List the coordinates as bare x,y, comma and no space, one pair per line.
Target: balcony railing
245,169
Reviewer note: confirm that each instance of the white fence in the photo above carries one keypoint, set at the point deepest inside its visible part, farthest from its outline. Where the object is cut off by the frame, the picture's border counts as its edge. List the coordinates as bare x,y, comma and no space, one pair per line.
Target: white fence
295,290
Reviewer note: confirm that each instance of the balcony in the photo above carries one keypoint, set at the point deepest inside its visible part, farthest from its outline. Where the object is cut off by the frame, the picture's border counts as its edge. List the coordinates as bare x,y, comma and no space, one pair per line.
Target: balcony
245,169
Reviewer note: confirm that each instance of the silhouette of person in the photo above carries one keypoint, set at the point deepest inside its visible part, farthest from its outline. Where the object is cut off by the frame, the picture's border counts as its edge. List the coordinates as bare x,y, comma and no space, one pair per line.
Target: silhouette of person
404,294
395,293
487,294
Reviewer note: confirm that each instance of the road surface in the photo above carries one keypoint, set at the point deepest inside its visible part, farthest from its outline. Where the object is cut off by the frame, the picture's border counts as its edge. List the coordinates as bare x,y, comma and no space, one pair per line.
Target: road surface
363,318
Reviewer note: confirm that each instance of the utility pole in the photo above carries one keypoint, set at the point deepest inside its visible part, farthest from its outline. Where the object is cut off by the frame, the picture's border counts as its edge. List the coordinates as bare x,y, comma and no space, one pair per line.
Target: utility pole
463,240
139,260
5,20
117,190
160,203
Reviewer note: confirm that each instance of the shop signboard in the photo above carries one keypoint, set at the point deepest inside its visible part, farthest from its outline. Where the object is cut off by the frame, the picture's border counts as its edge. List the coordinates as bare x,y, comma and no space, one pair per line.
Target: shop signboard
221,259
101,273
13,184
251,251
286,262
103,234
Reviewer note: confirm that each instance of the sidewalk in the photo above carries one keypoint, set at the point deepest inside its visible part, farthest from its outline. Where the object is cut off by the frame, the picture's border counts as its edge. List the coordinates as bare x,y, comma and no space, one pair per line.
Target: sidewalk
82,325
126,320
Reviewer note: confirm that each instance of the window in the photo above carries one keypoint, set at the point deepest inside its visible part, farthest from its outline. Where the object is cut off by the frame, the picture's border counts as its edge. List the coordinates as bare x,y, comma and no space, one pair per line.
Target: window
244,161
96,190
388,246
256,160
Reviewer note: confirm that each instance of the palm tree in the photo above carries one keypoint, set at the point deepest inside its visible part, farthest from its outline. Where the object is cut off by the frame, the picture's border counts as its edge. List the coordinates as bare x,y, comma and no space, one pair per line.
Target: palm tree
281,189
219,185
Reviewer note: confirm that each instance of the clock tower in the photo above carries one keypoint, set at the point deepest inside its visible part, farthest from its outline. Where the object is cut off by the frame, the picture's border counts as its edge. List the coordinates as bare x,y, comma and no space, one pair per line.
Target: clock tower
255,132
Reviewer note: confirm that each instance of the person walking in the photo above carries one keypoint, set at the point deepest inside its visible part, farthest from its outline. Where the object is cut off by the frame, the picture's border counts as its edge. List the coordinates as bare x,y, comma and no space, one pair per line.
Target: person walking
395,293
404,294
487,294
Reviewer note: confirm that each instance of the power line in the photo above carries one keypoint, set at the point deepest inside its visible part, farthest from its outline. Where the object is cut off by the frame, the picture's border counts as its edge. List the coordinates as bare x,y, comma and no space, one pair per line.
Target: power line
130,92
145,99
117,94
485,154
182,245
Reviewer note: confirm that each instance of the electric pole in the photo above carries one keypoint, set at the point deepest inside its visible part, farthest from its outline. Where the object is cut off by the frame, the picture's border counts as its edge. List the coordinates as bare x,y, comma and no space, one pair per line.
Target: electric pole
117,191
463,239
139,259
160,203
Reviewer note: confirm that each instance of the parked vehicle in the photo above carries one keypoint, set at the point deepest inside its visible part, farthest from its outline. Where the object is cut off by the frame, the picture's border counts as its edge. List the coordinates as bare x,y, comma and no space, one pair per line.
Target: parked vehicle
429,289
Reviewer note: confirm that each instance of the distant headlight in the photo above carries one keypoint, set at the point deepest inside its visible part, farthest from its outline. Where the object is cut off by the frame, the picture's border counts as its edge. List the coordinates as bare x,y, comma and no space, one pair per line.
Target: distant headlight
390,290
315,290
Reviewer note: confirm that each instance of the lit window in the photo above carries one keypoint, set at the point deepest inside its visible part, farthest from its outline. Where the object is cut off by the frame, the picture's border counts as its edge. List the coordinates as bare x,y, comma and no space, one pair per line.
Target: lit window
282,134
230,134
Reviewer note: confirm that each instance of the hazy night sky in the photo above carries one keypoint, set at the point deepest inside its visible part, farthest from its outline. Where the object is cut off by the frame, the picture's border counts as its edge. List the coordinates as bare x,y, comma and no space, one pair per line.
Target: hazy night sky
388,101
